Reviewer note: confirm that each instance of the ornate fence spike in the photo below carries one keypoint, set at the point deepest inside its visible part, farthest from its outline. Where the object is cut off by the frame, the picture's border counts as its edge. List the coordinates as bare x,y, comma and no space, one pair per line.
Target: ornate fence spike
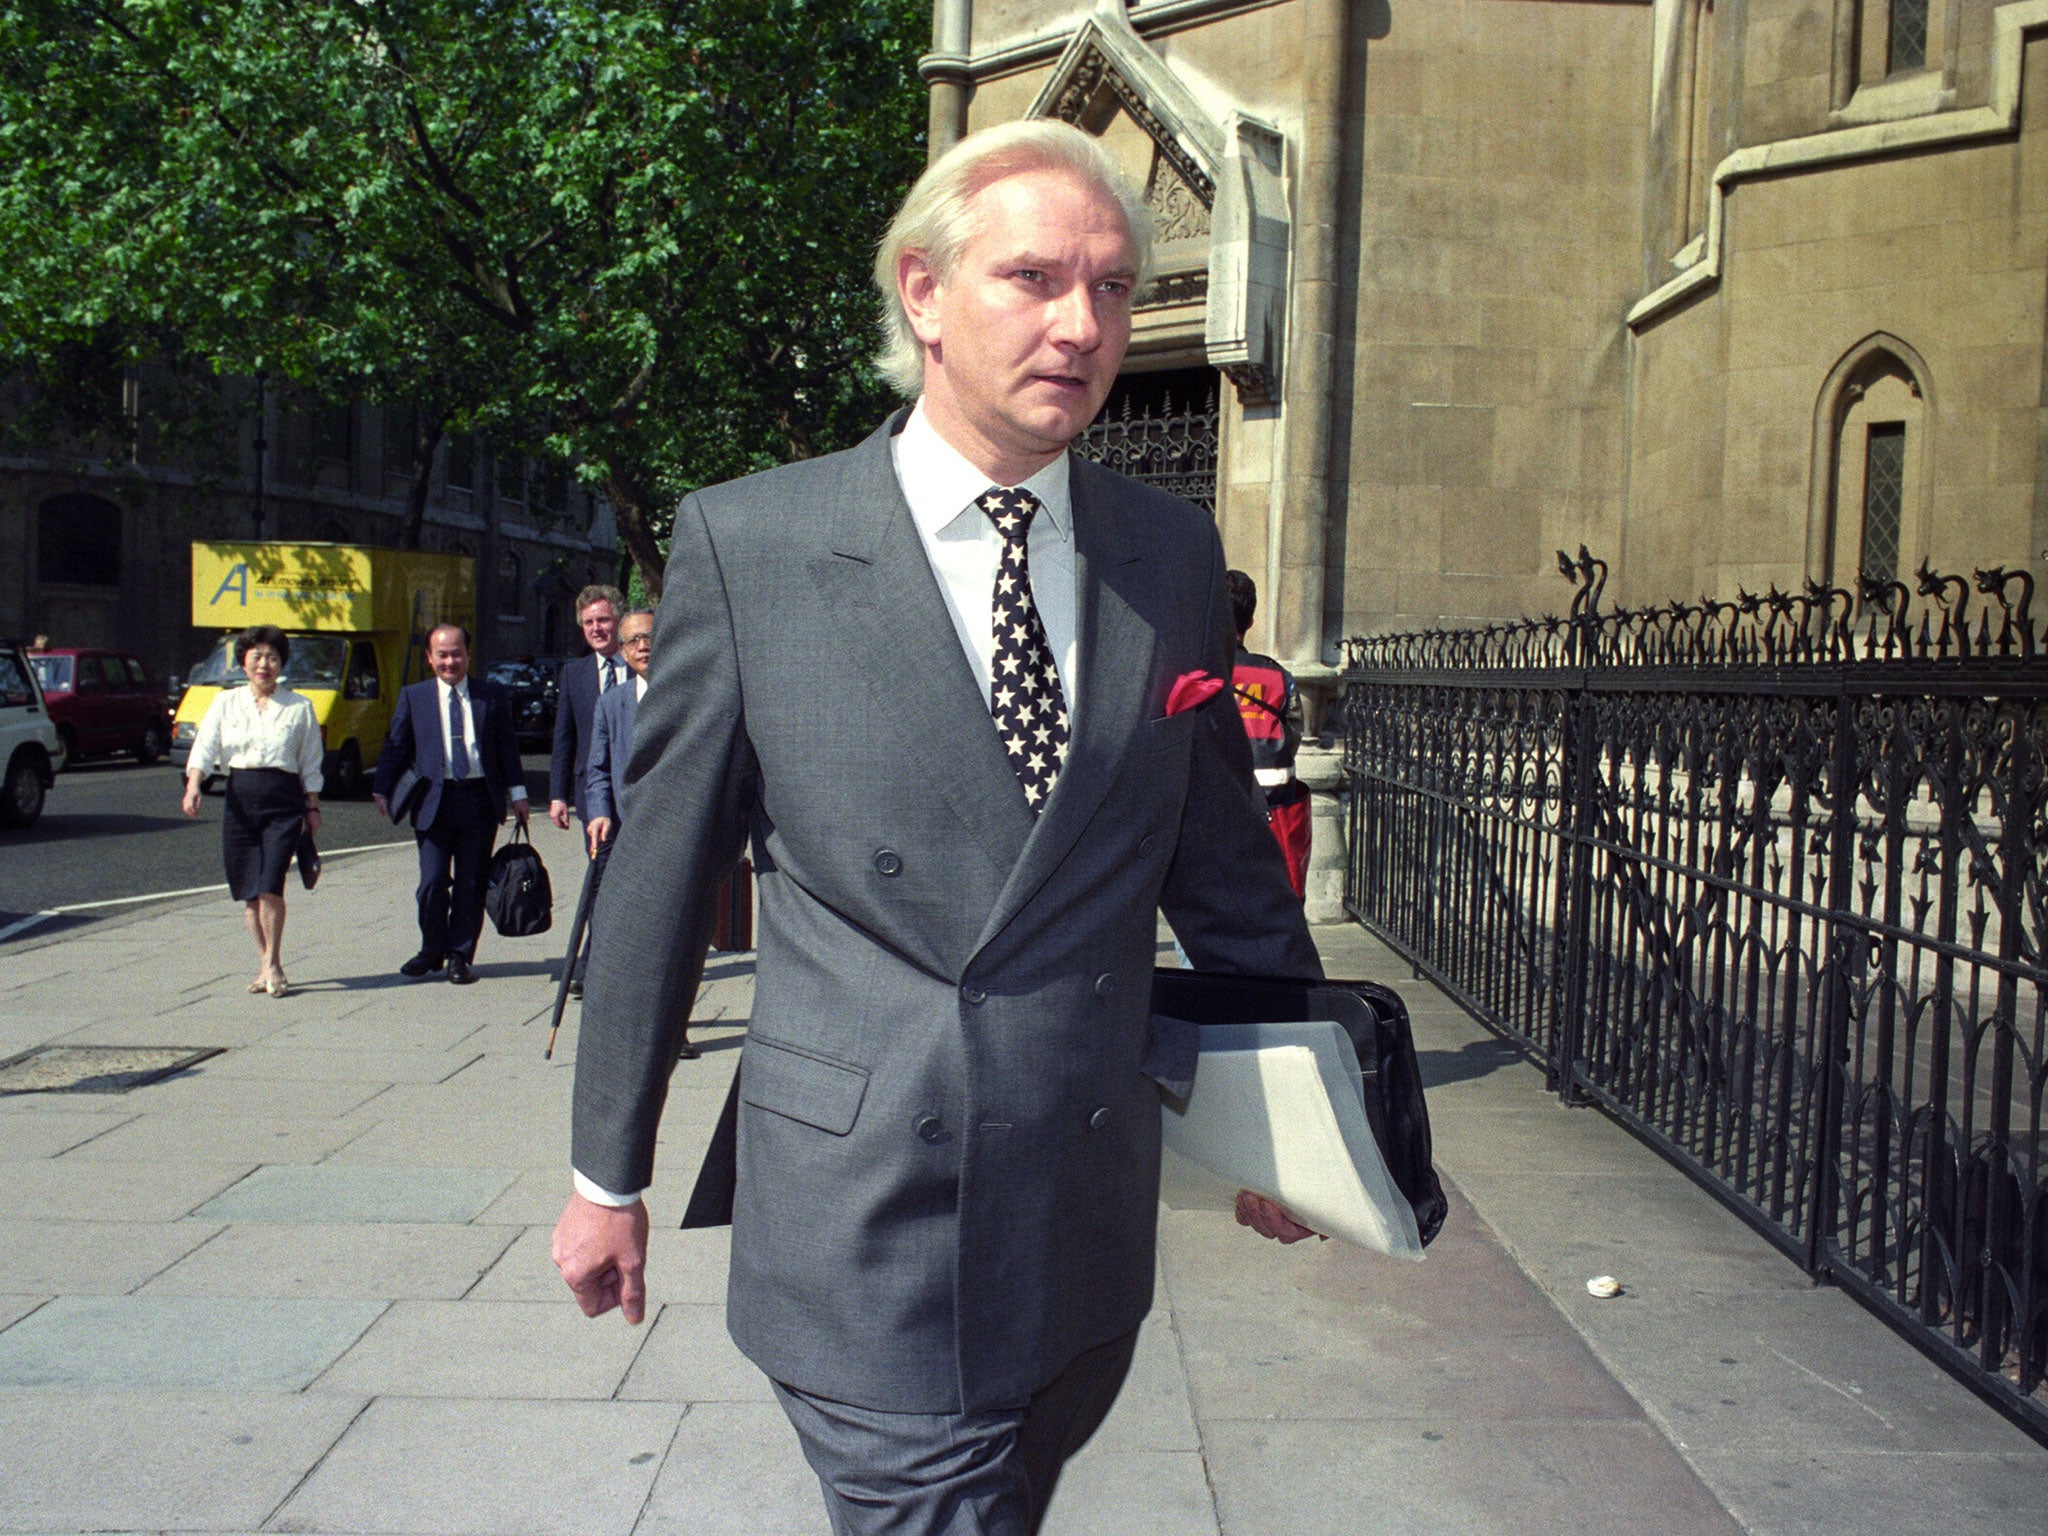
2017,632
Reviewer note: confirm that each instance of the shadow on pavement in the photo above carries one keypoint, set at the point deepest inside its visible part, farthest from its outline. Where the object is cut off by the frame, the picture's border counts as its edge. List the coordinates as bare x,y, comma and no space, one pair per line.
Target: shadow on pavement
1474,1059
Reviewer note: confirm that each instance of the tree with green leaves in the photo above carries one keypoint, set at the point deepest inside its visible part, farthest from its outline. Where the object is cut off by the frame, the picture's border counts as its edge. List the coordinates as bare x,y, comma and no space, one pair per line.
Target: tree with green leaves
631,235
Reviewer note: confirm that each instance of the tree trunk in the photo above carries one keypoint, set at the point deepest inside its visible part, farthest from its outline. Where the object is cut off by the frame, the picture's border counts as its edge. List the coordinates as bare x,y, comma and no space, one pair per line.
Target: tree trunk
426,441
632,509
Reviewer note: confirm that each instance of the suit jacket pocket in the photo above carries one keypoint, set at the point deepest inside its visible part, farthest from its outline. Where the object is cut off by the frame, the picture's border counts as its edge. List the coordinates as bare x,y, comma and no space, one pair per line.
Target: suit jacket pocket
808,1089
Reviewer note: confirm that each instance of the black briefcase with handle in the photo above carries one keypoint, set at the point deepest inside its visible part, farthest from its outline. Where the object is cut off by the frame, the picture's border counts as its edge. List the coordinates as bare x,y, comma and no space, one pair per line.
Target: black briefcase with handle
1376,1021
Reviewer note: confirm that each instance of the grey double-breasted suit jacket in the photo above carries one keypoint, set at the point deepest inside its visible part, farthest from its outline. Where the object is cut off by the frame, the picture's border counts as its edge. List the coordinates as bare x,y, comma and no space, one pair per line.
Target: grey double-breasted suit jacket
948,1153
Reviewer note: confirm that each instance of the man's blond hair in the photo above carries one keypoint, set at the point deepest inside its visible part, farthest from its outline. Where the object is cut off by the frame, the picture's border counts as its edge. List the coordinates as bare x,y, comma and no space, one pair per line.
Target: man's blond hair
600,592
937,218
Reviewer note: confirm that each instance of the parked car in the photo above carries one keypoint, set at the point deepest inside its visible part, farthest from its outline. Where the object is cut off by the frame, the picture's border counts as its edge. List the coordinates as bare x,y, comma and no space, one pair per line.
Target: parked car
532,687
101,702
28,742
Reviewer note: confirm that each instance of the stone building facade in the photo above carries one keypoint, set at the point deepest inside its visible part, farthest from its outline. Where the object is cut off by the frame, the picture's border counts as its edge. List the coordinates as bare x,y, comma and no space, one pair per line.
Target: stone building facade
95,538
1734,292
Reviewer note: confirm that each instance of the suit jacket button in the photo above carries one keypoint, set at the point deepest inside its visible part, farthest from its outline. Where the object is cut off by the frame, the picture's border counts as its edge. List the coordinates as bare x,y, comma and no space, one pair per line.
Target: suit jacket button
931,1130
1098,1120
888,863
974,995
1105,984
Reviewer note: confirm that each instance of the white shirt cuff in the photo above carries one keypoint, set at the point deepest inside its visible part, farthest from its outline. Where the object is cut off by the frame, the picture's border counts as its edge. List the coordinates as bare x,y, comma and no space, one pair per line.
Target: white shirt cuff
597,1194
519,795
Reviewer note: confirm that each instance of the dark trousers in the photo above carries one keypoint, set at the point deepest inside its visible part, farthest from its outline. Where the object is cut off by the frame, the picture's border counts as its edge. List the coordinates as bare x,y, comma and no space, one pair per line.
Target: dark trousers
954,1474
455,867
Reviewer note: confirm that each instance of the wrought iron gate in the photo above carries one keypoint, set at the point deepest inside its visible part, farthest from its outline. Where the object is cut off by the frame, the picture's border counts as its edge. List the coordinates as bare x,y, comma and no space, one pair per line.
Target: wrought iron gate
1150,436
1768,880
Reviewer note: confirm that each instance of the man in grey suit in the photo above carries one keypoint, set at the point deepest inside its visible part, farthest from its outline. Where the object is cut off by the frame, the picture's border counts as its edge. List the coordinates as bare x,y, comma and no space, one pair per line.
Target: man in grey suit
611,747
941,682
611,735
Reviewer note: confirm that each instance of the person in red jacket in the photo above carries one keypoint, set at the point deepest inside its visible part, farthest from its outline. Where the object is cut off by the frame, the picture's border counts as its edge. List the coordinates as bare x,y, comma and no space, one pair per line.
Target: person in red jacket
1270,706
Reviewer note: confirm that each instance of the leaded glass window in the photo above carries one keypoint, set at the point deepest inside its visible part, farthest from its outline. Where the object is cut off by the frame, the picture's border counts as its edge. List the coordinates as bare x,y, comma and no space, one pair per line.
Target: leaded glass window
1908,35
1884,496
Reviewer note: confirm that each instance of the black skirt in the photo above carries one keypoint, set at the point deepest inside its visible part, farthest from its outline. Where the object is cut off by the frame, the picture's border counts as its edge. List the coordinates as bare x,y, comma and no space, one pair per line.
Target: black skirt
260,831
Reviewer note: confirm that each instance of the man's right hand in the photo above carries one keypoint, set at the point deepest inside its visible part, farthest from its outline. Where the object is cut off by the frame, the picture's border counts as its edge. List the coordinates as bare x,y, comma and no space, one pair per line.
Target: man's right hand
600,833
382,809
558,813
601,1251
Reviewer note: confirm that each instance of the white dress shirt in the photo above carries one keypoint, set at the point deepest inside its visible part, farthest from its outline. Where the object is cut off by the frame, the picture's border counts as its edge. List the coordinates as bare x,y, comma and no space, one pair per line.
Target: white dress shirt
639,687
469,737
965,550
283,733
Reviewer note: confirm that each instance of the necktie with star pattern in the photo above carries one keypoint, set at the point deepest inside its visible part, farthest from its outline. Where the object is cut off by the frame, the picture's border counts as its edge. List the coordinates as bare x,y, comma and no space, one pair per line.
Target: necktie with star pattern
1025,698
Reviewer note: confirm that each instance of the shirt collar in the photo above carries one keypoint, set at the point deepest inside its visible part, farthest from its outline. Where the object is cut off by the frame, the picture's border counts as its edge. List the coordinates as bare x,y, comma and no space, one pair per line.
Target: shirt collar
941,484
461,688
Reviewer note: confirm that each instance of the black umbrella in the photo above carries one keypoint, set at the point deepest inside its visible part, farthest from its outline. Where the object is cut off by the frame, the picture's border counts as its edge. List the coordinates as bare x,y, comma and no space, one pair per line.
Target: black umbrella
578,932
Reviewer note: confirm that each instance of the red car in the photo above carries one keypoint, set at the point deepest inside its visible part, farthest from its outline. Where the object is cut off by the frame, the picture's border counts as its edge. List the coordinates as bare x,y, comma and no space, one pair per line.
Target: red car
101,702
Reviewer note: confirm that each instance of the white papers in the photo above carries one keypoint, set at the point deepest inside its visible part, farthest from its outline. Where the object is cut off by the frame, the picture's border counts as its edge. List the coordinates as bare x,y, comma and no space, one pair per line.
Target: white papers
1278,1109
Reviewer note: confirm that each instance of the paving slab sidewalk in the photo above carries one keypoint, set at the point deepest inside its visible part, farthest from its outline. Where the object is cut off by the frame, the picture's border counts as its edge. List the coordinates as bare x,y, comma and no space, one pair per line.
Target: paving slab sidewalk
304,1286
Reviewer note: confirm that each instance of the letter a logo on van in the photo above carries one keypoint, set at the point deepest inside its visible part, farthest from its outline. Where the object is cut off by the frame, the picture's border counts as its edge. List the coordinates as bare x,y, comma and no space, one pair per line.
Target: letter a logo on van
238,578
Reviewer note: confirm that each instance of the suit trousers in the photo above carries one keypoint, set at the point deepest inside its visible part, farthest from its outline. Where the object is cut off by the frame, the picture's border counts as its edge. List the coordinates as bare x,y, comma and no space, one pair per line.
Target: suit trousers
455,869
954,1474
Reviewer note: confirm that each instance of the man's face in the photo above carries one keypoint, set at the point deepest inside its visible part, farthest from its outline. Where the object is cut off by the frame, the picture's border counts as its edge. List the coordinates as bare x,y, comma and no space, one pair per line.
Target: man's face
636,640
447,655
600,623
1027,332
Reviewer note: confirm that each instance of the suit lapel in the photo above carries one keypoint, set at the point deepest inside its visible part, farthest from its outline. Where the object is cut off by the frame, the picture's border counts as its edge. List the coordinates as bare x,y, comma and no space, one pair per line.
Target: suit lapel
1115,645
879,584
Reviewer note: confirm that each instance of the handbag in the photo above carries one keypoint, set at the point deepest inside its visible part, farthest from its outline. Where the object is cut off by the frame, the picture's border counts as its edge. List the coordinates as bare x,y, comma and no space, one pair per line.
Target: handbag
519,898
308,855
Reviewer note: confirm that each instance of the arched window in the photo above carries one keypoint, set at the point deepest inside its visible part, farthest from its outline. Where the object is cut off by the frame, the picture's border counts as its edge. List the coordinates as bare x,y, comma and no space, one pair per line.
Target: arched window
78,539
1867,515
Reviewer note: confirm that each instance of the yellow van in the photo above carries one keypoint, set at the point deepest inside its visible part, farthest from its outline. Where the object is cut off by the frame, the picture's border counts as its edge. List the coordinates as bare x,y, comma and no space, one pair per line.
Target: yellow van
358,618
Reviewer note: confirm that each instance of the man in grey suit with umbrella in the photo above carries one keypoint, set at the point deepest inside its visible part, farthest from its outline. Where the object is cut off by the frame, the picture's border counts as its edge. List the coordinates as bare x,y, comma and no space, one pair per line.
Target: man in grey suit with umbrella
965,694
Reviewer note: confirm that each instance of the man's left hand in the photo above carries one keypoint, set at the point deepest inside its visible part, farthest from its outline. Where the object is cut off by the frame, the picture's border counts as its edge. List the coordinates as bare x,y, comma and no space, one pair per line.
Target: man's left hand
519,810
1268,1219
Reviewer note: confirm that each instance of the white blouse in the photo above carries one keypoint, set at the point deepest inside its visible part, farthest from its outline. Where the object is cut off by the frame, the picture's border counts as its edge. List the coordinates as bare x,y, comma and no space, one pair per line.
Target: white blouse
282,734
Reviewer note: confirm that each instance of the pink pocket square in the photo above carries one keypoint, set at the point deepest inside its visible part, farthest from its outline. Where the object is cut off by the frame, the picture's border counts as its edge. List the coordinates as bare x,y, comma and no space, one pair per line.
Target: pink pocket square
1191,689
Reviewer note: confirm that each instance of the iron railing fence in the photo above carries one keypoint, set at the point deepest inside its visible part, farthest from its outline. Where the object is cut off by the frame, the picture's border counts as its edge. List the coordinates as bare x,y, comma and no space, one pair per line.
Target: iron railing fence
1173,447
1768,880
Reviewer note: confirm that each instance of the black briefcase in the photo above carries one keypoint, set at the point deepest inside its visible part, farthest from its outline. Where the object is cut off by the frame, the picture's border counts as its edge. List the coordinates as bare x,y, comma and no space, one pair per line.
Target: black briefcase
1376,1021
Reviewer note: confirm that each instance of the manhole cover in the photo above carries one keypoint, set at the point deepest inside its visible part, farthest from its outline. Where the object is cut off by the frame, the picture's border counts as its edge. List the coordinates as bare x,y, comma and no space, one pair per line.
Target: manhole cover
96,1068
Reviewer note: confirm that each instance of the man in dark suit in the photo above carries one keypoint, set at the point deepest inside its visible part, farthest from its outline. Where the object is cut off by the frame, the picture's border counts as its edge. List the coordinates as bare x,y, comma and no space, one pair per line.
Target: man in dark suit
456,734
967,696
583,682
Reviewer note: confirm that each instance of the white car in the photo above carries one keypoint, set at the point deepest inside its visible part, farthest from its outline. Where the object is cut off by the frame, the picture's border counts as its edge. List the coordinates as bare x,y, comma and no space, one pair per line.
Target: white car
28,741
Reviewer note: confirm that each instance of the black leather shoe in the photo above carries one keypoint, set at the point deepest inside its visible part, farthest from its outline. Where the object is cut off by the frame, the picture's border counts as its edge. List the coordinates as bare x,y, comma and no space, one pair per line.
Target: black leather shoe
459,971
420,964
575,986
688,1053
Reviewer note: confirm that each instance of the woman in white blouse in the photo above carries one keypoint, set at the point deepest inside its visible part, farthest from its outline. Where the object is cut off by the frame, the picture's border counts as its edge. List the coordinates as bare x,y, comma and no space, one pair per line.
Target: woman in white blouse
269,742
